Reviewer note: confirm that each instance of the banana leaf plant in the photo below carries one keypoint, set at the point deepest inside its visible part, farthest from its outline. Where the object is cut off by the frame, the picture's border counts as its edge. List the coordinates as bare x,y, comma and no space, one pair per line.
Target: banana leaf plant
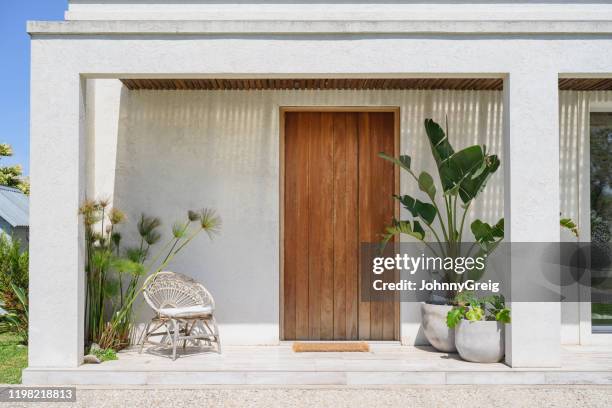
16,316
462,176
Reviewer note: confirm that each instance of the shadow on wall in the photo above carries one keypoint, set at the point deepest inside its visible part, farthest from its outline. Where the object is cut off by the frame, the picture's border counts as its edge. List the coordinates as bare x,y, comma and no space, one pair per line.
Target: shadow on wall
180,150
471,117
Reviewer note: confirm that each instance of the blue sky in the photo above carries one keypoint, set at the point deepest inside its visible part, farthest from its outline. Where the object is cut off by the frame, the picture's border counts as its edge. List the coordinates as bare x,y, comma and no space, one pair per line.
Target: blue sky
15,71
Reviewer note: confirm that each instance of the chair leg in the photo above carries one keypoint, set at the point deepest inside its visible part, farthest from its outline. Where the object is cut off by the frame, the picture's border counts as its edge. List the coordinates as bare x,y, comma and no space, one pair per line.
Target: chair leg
210,331
216,333
175,338
144,337
188,330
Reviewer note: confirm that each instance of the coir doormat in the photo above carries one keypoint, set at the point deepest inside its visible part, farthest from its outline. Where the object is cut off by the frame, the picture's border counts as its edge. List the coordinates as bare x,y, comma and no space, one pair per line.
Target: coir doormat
305,347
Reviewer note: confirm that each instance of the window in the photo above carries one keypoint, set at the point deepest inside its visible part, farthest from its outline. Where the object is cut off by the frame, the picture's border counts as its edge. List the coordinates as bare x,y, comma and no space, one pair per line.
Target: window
601,219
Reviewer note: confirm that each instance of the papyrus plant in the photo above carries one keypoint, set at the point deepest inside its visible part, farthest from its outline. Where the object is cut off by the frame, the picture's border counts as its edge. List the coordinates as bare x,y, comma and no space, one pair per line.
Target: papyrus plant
114,273
102,247
439,221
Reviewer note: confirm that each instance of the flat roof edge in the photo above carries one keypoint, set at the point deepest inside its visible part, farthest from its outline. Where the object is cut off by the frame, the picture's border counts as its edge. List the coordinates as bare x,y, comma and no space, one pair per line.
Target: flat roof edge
288,27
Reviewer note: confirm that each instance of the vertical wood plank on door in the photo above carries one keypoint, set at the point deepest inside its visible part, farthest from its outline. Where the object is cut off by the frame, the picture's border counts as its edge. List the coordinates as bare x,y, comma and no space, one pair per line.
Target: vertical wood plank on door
300,160
376,195
352,226
365,204
319,233
313,122
386,207
339,224
324,191
291,224
345,225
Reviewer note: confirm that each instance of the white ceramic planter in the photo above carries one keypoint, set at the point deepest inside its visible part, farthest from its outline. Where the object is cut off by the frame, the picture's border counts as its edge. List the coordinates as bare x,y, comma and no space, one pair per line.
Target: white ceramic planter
480,342
434,325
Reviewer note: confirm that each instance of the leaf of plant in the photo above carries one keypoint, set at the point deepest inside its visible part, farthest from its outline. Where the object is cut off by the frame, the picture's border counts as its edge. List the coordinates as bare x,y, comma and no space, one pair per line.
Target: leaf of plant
454,316
427,212
152,237
472,186
466,171
475,314
498,229
124,265
460,167
485,233
465,298
497,301
100,259
440,147
570,225
179,229
111,288
426,184
135,254
403,227
404,161
21,295
147,224
418,229
503,316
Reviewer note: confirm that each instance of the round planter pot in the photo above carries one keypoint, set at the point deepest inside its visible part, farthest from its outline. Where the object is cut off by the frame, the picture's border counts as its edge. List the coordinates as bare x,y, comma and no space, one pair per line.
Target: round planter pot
434,325
480,342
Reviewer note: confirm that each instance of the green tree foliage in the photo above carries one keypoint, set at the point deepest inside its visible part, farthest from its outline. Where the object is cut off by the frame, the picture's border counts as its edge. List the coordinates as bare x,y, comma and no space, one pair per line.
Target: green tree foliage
12,175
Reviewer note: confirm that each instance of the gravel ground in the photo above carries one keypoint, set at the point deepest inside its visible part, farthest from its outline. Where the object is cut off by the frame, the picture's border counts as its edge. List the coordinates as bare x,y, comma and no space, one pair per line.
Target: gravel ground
337,397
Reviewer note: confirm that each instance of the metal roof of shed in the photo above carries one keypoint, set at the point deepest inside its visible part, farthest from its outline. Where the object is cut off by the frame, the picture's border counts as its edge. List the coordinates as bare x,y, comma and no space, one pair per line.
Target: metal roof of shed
14,207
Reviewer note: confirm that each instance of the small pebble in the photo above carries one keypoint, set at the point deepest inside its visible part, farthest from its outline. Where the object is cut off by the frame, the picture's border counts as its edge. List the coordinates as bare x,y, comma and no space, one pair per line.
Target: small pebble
91,359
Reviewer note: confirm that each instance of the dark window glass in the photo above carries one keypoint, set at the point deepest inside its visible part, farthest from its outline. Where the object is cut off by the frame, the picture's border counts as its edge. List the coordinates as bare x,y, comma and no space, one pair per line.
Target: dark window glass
601,216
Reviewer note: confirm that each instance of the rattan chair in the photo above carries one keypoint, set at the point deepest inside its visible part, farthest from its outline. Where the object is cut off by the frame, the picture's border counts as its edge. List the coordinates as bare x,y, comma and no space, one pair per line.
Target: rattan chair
183,307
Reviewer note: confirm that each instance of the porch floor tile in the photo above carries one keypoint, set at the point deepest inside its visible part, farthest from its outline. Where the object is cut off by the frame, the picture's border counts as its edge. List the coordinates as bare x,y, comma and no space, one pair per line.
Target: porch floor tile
384,364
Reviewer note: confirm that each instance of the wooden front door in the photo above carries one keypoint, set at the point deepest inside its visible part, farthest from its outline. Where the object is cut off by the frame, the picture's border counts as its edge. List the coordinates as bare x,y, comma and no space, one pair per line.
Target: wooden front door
337,193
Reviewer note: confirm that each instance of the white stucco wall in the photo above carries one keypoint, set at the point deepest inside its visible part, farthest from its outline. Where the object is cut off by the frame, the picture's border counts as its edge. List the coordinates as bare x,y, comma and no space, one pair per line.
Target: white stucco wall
338,9
163,152
160,152
529,55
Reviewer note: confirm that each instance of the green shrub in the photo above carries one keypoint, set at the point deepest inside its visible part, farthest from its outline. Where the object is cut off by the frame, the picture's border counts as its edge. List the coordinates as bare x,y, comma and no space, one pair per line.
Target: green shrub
14,287
474,309
104,354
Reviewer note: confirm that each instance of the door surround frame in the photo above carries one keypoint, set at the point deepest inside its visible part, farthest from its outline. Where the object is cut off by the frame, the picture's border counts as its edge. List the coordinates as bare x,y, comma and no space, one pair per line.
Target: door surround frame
325,108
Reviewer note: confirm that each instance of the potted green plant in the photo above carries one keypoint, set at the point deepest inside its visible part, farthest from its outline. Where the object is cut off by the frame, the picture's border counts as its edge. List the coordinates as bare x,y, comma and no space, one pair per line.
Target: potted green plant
462,177
479,327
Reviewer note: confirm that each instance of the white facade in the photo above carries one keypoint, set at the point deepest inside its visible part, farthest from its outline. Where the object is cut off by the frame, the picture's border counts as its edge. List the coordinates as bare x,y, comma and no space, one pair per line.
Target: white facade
227,144
337,10
221,146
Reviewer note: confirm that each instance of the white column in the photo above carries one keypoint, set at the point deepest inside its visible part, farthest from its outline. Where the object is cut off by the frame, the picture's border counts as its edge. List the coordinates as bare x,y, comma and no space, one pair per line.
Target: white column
57,140
531,206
